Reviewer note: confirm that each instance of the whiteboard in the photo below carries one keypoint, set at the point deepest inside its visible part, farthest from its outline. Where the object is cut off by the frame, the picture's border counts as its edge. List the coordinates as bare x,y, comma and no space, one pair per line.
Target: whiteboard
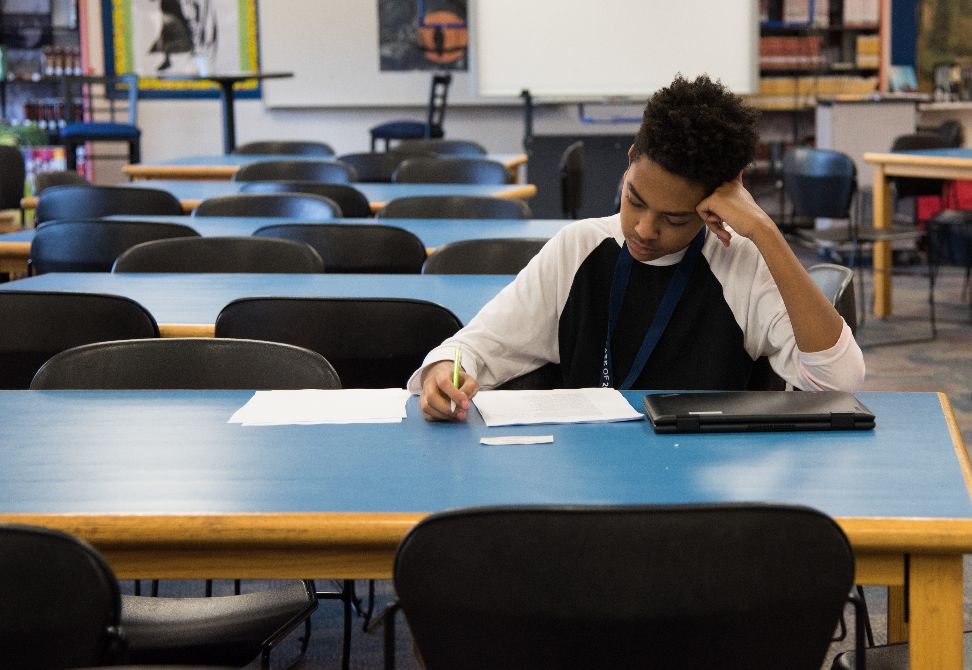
607,48
331,46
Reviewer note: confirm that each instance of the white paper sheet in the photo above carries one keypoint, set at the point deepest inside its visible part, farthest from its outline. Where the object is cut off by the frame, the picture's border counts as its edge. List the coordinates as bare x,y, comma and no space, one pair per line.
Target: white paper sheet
508,408
313,406
516,439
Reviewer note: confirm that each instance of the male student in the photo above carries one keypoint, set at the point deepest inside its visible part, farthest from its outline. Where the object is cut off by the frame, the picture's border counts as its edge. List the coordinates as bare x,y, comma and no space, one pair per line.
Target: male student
683,289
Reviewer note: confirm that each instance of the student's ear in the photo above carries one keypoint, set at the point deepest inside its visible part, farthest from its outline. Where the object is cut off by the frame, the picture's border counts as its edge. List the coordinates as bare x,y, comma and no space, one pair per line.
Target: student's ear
631,153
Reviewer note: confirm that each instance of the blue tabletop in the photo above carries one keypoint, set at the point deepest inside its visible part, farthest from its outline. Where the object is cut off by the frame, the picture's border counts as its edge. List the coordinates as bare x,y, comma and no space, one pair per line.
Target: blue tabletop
245,159
957,152
198,298
200,190
173,452
432,232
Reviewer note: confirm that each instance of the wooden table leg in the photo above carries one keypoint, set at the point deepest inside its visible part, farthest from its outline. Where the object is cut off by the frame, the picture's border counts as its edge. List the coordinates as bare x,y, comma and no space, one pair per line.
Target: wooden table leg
882,259
935,611
897,626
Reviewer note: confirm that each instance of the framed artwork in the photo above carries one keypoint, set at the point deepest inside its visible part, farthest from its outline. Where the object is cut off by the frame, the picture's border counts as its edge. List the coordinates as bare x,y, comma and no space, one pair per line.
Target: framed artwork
422,35
944,50
157,37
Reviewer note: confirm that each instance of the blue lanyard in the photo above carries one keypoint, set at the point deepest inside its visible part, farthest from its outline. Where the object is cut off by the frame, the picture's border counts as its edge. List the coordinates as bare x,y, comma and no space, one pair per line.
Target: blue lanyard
619,285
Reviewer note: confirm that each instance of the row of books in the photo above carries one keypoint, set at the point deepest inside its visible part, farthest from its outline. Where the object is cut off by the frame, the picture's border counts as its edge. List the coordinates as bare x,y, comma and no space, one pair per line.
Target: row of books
791,52
785,93
817,12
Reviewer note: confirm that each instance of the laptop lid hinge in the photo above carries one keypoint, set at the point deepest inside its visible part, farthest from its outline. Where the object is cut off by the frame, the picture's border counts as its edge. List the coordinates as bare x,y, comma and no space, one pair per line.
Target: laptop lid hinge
688,424
842,420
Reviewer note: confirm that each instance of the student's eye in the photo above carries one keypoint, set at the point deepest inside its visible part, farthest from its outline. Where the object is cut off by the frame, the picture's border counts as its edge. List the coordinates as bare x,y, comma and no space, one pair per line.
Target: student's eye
676,222
633,202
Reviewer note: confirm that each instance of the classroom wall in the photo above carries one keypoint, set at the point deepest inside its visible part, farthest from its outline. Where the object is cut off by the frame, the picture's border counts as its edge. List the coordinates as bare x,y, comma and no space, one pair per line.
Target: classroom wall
173,128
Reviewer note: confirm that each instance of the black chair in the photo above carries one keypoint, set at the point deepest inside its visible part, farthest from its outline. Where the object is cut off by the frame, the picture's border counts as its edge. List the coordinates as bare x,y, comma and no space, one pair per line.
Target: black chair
363,248
571,171
110,107
59,602
93,245
38,325
93,202
444,147
60,608
498,256
186,363
294,147
325,171
45,180
371,342
12,176
353,203
378,167
279,205
837,283
822,183
431,128
451,171
220,254
701,586
454,207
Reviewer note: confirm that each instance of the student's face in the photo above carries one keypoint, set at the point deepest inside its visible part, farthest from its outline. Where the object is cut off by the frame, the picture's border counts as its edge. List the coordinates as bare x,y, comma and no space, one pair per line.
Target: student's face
658,214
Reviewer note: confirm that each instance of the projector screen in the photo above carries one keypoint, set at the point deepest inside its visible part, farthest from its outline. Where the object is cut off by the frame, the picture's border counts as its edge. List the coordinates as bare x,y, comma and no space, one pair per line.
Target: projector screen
589,49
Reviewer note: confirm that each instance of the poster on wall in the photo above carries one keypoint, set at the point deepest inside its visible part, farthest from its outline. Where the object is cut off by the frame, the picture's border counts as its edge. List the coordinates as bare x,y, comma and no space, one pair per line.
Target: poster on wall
945,50
422,35
156,38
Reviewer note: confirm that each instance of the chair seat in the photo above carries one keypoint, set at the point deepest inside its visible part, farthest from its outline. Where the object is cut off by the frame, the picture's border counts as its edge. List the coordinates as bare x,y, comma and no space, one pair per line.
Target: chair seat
100,131
404,130
223,630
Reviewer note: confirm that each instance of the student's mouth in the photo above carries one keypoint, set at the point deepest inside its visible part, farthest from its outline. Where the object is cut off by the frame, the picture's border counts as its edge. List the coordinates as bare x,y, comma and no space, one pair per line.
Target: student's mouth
639,249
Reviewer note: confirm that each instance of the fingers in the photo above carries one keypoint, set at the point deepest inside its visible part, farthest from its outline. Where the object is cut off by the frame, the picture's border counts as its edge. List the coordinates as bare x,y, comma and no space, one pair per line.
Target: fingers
718,228
438,394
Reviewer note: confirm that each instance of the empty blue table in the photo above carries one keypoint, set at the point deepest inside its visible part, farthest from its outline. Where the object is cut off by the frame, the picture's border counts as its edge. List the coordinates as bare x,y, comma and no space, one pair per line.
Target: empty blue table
186,305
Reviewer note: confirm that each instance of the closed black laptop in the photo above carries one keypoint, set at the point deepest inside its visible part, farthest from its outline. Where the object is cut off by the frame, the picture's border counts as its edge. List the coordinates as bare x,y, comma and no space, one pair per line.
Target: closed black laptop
745,411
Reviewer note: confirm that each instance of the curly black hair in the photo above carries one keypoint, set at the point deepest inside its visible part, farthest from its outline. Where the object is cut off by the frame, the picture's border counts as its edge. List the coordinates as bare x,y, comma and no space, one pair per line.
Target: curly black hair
698,130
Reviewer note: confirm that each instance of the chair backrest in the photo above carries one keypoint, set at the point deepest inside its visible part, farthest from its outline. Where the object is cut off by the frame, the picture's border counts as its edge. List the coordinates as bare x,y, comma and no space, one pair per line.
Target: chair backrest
443,147
325,171
190,363
37,325
701,586
92,202
363,248
454,207
102,98
12,176
951,131
293,147
438,97
819,182
910,187
837,283
371,342
221,254
93,245
59,601
451,171
280,205
353,203
44,180
571,170
378,167
497,256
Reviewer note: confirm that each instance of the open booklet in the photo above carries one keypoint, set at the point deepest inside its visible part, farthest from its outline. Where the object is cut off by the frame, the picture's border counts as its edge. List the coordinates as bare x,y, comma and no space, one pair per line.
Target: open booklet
592,405
312,406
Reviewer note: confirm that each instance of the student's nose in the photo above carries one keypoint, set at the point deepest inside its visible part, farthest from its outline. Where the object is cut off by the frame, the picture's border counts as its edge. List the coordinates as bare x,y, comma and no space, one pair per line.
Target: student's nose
647,226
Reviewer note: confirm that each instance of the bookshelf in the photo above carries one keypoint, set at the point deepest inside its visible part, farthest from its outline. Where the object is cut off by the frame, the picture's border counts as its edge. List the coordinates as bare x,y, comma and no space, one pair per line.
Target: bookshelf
808,50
